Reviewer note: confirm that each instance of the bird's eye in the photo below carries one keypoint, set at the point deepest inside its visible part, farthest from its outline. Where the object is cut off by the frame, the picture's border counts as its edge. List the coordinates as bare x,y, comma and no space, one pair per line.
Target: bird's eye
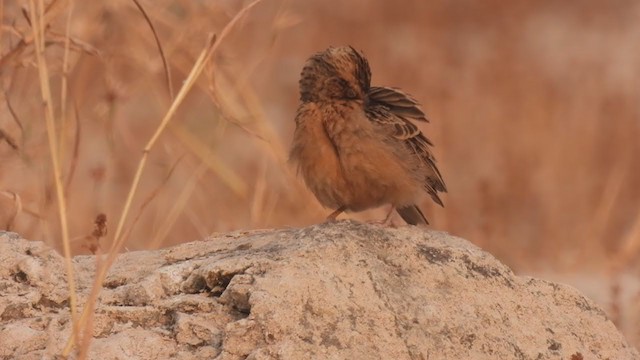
351,94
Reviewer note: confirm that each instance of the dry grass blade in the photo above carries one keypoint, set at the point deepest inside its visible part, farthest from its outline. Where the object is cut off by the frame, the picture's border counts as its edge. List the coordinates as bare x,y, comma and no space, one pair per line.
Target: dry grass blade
17,205
25,15
224,113
99,231
9,140
188,84
52,10
85,319
14,116
167,73
265,132
14,55
209,158
197,69
64,84
250,101
177,208
152,195
46,16
210,48
76,150
74,43
37,17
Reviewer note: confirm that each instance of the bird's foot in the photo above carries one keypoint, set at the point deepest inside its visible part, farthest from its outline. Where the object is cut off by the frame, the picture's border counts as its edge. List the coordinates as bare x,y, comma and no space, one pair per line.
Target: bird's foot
387,221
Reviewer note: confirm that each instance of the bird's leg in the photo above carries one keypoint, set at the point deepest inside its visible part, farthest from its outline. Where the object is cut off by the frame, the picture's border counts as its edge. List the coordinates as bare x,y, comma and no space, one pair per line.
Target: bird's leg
334,215
388,219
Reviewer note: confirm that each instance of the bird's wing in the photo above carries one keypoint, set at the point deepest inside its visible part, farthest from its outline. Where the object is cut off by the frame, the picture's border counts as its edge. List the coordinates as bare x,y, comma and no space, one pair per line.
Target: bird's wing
392,110
397,101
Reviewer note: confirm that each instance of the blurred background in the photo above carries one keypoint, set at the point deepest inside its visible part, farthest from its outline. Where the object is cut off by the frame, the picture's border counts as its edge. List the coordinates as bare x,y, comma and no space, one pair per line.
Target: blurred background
534,108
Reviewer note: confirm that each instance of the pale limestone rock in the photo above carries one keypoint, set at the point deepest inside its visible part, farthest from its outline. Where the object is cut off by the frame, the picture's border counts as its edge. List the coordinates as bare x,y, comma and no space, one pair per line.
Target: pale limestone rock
332,291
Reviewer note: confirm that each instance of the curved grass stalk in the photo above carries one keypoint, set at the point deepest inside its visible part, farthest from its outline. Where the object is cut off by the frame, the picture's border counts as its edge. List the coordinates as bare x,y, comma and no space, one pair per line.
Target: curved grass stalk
101,270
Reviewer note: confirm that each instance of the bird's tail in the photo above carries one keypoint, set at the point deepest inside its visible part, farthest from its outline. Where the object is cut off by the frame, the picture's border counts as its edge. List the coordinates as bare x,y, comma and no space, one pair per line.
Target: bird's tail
412,215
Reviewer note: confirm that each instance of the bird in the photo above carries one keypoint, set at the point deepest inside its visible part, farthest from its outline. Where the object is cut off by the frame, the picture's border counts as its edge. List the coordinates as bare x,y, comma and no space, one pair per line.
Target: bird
356,145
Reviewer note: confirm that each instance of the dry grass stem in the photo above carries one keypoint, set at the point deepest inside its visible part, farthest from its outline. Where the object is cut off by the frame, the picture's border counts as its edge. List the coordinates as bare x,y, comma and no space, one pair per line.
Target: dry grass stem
165,64
178,208
152,195
196,70
14,116
188,84
37,17
73,163
64,86
206,155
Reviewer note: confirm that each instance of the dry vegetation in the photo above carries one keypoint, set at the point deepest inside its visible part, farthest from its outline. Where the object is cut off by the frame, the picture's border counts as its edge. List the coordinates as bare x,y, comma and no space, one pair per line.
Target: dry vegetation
534,109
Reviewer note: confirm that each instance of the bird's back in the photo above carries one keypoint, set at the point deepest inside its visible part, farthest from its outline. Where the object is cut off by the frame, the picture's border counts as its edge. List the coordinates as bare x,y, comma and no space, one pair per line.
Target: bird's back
393,110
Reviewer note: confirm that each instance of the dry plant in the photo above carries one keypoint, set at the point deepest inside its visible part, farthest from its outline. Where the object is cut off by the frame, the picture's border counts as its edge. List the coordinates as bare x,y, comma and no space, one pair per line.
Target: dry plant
533,109
211,46
37,22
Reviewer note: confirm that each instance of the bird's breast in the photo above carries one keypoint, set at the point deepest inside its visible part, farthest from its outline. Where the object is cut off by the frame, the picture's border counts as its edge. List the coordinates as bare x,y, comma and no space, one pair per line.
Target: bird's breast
317,157
346,160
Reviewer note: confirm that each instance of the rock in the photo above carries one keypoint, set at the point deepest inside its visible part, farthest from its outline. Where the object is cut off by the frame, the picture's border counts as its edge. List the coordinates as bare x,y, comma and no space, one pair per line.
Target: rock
333,291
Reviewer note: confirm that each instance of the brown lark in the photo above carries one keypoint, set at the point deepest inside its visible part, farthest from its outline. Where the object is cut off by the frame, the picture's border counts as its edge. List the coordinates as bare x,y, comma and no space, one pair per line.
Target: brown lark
355,144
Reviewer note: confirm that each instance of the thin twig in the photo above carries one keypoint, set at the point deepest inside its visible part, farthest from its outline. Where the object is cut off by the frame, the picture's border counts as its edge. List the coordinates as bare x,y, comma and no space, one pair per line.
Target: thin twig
167,73
77,44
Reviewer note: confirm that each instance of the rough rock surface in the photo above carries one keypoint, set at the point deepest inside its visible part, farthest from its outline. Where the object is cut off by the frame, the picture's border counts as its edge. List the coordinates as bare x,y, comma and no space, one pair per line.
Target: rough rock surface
332,291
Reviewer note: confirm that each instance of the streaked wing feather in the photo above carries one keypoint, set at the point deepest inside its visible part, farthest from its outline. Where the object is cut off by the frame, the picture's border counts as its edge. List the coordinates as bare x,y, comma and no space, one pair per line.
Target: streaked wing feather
401,128
389,108
399,102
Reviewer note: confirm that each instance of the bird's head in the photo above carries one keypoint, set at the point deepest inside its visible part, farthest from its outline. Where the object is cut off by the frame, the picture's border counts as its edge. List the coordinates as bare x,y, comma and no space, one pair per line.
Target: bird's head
337,73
